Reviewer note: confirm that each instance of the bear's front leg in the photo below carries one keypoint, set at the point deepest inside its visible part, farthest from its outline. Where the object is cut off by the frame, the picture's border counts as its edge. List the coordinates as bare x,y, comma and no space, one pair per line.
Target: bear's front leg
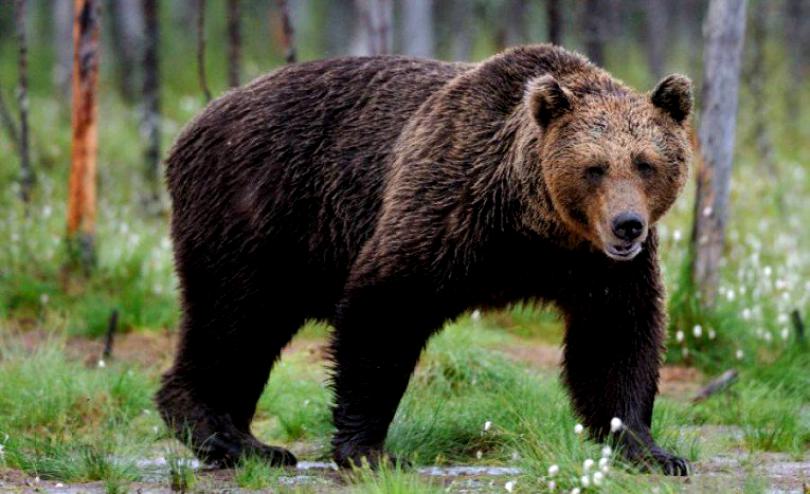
381,327
614,337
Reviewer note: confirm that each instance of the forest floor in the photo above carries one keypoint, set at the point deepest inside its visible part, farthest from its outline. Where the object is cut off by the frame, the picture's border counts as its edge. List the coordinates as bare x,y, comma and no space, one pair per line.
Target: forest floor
722,453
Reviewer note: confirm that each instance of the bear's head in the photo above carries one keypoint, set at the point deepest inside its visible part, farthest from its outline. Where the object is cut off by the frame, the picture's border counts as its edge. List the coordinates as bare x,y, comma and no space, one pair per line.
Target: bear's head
612,161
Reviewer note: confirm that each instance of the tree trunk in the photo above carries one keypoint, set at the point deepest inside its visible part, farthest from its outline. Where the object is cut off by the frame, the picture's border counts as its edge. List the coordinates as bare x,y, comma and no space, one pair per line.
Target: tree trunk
655,42
151,103
126,29
417,28
463,29
594,30
373,33
554,20
724,32
8,124
81,214
201,50
795,15
757,82
234,43
27,176
63,46
287,32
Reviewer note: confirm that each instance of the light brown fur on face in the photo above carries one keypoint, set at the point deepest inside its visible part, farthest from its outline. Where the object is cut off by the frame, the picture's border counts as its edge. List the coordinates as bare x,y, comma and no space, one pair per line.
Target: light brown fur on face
613,156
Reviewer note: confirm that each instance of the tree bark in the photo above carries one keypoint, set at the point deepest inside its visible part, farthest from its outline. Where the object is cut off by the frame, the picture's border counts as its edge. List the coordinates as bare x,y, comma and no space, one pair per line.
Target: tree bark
287,32
81,214
201,50
373,34
724,32
417,28
795,15
234,42
554,21
63,46
27,177
8,123
151,102
126,29
594,30
655,42
757,82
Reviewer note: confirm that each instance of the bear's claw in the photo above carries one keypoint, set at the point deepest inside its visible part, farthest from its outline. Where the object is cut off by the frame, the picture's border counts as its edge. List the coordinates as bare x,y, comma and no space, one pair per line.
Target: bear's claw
671,464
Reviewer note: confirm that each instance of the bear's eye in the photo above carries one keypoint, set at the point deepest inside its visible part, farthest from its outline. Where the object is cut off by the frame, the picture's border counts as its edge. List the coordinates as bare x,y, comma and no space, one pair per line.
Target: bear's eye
645,169
595,173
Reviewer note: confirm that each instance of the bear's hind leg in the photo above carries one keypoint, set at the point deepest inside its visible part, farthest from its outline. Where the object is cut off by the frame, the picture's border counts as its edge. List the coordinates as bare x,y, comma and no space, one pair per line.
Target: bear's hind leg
232,333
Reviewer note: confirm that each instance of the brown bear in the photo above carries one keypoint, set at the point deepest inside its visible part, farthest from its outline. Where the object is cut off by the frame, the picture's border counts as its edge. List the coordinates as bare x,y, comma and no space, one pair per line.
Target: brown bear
388,195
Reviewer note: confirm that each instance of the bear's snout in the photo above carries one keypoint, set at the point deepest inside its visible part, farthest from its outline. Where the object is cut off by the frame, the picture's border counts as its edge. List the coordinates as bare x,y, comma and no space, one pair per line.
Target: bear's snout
628,226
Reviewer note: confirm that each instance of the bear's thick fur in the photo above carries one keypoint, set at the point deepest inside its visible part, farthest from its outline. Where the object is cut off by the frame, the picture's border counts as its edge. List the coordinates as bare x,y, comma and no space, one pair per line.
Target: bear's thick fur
387,195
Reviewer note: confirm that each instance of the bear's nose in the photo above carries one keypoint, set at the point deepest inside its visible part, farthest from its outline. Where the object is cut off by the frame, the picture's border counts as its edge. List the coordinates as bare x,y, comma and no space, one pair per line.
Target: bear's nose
628,226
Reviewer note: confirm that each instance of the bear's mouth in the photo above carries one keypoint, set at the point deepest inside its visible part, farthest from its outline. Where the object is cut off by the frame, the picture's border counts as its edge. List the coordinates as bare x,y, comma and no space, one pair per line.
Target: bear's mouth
623,252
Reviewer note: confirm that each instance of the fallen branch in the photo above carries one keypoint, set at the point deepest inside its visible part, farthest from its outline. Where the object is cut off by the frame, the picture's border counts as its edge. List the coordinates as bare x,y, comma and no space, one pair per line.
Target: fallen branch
716,385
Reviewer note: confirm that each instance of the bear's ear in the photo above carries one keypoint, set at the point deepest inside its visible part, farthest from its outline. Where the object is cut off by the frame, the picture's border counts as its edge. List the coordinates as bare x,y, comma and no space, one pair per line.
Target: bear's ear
674,96
546,99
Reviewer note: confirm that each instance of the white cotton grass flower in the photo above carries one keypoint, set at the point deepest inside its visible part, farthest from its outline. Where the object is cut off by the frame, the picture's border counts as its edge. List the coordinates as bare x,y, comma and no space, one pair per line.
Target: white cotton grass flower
739,354
552,486
553,470
476,315
697,331
575,490
606,452
578,429
677,235
604,462
479,454
487,425
679,336
587,465
101,364
616,424
598,478
711,334
585,481
510,486
785,334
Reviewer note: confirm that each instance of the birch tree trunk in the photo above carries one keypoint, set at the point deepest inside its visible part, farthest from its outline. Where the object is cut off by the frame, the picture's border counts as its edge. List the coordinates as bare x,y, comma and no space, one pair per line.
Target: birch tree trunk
724,32
150,129
554,21
27,176
63,46
234,42
373,33
126,25
81,213
417,28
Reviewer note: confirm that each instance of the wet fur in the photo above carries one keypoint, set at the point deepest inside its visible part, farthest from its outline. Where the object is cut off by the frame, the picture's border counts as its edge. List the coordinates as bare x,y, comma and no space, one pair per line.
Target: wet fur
386,196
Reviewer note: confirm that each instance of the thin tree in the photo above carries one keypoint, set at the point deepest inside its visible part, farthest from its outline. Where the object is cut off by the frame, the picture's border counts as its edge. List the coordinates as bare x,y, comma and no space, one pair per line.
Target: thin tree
374,34
554,21
81,213
62,18
27,176
417,28
234,42
724,32
462,29
594,30
287,32
795,16
126,25
201,50
757,82
7,121
151,101
655,16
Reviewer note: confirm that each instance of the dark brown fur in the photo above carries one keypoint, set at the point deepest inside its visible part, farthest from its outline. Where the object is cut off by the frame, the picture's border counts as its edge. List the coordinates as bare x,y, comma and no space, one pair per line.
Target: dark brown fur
388,195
